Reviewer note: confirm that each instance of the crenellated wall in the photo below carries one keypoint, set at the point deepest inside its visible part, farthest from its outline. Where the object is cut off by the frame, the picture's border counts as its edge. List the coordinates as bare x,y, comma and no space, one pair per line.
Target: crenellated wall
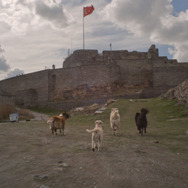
88,77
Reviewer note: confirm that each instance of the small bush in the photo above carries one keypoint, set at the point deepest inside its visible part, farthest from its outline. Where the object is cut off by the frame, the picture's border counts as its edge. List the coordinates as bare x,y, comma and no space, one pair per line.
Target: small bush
25,114
5,110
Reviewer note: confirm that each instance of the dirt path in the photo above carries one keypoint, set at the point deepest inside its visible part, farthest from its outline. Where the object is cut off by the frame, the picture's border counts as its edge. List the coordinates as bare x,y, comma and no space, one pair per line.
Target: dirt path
32,157
39,116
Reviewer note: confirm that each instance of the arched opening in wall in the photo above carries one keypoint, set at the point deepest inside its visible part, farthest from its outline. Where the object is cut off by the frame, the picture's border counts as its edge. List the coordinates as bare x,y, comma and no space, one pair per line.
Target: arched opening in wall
31,98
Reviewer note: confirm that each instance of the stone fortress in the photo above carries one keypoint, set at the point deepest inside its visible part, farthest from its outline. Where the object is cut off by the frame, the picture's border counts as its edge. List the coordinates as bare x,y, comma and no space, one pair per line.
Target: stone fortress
88,77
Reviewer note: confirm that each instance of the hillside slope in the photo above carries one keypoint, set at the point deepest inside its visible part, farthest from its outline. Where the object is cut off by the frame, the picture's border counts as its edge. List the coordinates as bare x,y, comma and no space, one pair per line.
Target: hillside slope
32,157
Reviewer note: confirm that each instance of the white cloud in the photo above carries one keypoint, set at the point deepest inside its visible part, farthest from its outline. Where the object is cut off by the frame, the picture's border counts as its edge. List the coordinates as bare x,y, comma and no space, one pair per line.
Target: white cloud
37,34
153,18
21,15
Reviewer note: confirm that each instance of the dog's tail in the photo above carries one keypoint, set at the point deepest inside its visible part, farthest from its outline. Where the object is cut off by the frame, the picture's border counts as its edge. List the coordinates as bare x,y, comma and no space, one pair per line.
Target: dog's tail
50,122
89,131
93,130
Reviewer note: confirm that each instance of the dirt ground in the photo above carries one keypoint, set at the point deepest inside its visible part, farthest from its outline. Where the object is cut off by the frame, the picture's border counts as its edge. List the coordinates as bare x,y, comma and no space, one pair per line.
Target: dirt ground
32,158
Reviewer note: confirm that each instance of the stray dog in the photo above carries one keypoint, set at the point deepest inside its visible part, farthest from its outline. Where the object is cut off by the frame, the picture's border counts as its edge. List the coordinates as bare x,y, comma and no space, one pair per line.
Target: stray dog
141,120
115,121
58,122
97,135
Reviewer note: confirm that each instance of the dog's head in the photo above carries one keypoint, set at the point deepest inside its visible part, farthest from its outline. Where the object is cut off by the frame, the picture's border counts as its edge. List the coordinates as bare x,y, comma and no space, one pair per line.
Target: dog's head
67,116
144,111
115,111
99,123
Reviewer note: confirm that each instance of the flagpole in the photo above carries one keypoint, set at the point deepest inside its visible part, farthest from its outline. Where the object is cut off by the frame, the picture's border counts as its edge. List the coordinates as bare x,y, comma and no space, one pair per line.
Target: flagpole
86,11
83,31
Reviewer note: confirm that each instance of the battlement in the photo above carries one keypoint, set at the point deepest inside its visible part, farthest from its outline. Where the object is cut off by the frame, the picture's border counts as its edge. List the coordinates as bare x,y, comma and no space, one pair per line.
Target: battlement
86,57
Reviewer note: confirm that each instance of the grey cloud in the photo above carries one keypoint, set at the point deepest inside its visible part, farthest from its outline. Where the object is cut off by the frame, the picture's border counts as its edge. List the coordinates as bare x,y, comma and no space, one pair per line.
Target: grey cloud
54,14
3,64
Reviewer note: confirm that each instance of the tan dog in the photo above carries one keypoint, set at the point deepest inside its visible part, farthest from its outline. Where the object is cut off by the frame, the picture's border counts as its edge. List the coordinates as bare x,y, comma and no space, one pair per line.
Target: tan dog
58,122
97,135
115,121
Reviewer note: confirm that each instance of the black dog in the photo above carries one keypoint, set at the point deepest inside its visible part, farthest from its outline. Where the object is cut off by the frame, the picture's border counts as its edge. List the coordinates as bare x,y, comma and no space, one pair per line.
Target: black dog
141,120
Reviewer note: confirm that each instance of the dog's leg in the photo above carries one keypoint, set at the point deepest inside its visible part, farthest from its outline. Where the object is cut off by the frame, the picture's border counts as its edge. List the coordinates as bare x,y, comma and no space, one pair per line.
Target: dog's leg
99,144
93,146
117,132
141,131
145,130
52,129
55,131
114,131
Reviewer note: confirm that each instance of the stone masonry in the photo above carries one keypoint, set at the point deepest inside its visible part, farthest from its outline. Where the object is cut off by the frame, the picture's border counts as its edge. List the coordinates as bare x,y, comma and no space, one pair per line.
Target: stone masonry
88,77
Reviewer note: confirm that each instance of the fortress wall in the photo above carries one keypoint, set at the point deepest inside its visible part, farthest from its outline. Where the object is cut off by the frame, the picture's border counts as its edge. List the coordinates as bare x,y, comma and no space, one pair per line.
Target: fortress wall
7,100
82,82
137,74
124,55
33,86
81,57
168,75
88,57
89,77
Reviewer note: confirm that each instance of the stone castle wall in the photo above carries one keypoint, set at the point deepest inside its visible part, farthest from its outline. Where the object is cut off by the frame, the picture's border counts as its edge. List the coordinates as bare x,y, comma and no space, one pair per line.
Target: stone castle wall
29,89
88,77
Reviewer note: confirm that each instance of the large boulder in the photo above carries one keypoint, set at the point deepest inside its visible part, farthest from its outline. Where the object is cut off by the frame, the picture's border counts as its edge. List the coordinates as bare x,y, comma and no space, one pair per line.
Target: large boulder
180,92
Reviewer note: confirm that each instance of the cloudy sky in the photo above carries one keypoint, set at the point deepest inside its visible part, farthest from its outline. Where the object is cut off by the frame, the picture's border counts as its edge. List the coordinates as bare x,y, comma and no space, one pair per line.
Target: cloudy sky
35,34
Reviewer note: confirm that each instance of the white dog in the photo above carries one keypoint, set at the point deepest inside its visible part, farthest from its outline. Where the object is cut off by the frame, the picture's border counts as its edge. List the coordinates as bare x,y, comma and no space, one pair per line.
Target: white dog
97,135
115,121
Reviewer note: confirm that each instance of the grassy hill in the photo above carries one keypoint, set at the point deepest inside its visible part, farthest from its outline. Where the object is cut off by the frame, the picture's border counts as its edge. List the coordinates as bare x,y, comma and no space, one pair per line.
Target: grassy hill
32,157
167,121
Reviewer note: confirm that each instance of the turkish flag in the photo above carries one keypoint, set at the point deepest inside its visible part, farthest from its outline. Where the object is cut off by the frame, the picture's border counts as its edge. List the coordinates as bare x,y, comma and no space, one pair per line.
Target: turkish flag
88,10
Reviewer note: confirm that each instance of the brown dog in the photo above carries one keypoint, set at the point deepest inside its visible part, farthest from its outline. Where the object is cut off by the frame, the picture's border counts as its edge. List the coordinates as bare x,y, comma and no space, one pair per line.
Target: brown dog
97,135
58,122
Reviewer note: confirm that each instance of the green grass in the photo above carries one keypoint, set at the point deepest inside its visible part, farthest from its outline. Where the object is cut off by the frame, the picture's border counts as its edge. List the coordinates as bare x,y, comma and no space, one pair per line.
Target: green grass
47,111
167,122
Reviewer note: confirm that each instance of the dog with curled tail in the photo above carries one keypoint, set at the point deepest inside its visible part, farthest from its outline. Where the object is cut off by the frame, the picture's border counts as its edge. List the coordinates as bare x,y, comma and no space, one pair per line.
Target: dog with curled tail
97,135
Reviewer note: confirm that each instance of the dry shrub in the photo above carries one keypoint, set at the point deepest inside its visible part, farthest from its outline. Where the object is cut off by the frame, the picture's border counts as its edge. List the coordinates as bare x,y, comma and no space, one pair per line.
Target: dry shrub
5,110
25,114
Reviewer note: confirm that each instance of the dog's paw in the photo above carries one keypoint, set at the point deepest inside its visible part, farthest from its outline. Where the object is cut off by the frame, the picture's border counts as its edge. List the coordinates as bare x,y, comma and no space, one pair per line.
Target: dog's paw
93,149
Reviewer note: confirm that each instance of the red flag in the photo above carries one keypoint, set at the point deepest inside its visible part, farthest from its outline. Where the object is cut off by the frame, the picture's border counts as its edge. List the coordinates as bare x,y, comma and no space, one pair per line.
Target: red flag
88,10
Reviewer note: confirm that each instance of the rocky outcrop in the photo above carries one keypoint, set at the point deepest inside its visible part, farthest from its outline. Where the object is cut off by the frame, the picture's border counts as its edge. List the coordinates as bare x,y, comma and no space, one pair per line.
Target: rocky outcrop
180,92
